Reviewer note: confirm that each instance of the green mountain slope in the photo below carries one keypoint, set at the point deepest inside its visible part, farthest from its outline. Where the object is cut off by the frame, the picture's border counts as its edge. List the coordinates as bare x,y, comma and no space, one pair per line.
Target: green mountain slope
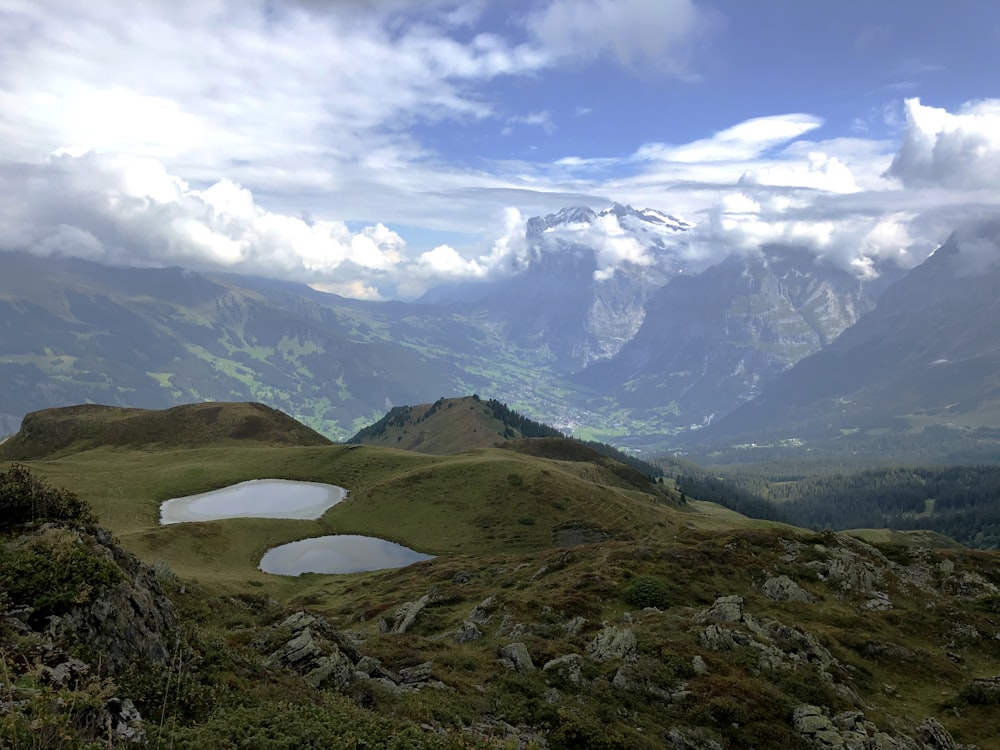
71,429
928,354
153,338
450,425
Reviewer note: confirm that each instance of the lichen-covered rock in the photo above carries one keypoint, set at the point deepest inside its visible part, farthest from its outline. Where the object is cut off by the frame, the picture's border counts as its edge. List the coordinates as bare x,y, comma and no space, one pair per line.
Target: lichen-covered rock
482,612
406,614
613,643
638,677
725,609
468,632
518,657
566,669
123,723
784,589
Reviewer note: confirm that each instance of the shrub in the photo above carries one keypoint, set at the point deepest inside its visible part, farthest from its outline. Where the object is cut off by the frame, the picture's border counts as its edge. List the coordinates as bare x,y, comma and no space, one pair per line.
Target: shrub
647,591
24,499
54,572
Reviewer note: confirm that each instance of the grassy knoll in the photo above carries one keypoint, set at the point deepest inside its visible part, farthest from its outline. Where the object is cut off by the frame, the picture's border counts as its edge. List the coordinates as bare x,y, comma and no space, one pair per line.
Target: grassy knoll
483,501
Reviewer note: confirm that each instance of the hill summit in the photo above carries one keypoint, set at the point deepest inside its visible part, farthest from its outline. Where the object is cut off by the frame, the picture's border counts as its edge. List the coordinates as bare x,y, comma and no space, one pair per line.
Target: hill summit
51,432
451,425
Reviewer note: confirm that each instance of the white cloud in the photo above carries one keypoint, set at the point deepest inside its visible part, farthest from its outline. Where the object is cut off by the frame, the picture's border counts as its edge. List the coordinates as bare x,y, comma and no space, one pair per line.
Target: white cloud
747,140
541,120
822,172
123,210
657,35
960,150
444,261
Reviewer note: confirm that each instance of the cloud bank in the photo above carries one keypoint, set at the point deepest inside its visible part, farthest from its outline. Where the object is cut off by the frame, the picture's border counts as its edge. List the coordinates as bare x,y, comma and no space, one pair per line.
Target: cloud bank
311,140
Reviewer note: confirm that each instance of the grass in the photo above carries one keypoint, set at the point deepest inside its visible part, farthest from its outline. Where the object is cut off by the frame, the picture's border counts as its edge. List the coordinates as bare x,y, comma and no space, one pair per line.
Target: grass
493,517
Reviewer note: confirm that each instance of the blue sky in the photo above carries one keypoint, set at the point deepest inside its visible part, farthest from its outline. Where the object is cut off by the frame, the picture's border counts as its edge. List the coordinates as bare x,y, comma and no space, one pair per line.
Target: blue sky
377,147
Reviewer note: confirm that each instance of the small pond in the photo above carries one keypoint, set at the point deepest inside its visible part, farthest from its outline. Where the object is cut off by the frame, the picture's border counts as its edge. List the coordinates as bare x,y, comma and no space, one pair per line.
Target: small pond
340,553
258,498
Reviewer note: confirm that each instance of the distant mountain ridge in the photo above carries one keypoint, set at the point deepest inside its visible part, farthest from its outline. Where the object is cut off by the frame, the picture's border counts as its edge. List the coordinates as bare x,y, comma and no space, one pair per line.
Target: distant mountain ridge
928,353
709,342
602,331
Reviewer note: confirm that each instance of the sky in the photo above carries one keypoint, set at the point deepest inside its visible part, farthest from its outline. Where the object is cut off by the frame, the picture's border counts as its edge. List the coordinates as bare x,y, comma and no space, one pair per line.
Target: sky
375,148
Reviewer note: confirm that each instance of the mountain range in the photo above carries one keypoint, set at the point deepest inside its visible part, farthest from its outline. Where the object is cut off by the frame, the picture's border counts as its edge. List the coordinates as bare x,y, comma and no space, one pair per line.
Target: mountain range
601,327
928,354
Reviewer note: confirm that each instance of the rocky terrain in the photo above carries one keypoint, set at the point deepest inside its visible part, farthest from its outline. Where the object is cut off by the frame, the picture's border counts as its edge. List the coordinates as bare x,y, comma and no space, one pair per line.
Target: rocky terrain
572,603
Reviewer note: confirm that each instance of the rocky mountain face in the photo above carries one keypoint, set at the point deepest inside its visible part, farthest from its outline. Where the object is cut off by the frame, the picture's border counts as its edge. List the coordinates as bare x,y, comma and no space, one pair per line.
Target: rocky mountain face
566,296
709,342
929,353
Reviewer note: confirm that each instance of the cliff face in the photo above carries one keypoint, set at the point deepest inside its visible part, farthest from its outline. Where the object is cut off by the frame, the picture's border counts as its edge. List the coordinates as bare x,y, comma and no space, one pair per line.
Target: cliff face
708,342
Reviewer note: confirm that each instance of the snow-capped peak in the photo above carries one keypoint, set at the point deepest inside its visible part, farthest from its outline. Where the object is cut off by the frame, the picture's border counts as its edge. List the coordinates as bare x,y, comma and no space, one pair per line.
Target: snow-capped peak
642,220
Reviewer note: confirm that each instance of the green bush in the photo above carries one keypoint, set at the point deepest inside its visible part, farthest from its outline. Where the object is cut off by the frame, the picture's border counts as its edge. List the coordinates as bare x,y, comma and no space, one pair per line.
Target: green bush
647,591
24,498
54,572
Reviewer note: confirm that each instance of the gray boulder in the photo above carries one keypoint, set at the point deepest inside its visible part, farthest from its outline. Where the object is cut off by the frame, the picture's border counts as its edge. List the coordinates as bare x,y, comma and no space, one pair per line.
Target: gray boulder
784,589
613,643
515,656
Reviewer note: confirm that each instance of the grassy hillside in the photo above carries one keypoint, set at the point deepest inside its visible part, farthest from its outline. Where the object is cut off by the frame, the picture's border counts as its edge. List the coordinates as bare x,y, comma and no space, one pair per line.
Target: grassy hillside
555,555
71,429
450,425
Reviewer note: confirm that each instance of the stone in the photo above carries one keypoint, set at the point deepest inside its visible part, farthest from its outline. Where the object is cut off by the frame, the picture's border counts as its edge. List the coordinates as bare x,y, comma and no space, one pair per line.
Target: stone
698,665
334,671
406,614
481,613
419,673
725,609
613,643
368,665
123,722
935,736
574,625
517,654
65,673
984,691
468,632
784,589
565,669
879,603
300,649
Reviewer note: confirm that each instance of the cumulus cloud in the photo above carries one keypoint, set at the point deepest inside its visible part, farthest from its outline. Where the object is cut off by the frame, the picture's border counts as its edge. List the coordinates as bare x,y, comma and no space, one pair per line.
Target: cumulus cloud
955,150
126,210
445,261
822,172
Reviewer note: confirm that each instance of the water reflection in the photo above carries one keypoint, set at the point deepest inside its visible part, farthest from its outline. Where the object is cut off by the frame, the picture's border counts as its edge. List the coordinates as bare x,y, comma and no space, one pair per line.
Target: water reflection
258,498
340,553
